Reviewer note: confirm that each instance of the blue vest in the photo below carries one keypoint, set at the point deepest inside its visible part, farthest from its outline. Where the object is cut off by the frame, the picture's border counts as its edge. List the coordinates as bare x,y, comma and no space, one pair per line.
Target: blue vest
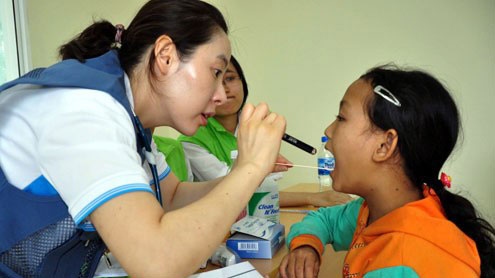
38,238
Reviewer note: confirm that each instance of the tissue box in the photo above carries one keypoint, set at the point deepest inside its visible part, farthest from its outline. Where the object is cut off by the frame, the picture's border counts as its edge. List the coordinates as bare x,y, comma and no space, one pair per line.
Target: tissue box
256,238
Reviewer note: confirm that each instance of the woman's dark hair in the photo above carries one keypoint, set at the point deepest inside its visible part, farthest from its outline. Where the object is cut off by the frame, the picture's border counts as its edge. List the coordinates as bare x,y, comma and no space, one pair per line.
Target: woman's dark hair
428,126
238,68
190,23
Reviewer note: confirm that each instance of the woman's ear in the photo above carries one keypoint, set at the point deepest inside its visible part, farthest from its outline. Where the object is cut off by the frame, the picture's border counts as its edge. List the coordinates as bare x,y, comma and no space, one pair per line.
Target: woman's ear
166,57
387,145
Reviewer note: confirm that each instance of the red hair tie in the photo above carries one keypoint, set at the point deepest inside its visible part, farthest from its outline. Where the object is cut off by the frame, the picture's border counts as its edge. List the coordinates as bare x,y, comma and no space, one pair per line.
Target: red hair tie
446,180
118,34
119,29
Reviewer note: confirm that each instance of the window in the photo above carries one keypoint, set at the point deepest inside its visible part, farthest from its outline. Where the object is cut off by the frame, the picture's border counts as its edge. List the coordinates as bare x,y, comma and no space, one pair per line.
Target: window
14,54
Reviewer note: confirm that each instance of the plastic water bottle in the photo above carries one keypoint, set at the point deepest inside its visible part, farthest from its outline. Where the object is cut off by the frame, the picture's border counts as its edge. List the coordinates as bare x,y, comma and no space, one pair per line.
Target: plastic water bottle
325,160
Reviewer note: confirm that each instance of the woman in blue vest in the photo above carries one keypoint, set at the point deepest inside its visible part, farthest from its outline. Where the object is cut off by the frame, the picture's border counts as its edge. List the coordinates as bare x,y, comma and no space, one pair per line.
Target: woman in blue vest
76,152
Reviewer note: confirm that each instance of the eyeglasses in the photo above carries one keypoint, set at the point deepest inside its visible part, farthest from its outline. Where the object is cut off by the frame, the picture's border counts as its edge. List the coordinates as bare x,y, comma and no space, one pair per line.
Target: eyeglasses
387,95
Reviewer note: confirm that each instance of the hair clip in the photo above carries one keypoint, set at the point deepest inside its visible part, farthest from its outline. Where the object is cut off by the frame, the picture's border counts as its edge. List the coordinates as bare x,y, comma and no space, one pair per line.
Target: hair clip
386,94
446,180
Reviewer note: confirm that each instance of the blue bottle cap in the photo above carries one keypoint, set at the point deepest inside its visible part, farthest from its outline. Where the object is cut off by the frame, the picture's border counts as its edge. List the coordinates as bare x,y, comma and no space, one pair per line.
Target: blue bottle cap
324,139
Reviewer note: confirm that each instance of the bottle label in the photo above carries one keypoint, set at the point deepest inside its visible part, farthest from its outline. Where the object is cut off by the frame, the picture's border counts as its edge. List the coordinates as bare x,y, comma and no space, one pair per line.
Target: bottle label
265,205
325,162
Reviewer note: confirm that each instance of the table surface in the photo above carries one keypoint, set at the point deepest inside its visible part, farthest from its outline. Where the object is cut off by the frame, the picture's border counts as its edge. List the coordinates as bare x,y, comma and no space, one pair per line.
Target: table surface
331,262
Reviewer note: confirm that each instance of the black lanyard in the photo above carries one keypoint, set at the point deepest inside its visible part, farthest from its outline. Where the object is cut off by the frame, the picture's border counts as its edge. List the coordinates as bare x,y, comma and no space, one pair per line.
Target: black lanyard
148,154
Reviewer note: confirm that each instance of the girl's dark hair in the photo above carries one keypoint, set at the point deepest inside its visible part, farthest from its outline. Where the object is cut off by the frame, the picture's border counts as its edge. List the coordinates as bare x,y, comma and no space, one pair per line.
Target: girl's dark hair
238,68
190,23
428,126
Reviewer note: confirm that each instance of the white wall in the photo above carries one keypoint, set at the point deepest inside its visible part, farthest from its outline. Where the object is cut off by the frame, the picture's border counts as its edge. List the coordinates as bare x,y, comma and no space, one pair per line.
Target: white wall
300,56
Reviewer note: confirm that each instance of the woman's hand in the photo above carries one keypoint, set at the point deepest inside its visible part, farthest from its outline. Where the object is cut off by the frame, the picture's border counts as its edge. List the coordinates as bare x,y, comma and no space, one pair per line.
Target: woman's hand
302,262
259,137
282,164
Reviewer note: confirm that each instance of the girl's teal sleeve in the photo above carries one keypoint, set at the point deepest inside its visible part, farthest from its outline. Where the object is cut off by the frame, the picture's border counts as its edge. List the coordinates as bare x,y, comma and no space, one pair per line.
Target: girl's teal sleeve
332,225
392,272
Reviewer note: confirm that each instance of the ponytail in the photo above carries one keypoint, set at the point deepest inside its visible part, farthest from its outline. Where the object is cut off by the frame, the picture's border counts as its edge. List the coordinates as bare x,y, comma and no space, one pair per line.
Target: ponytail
462,213
190,23
94,41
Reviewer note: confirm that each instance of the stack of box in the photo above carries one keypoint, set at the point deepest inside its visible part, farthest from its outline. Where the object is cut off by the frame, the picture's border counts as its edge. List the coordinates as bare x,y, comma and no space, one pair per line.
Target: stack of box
256,238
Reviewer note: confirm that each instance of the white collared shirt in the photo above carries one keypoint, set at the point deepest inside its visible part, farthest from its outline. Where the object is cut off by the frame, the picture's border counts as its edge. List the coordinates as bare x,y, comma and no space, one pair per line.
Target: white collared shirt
81,141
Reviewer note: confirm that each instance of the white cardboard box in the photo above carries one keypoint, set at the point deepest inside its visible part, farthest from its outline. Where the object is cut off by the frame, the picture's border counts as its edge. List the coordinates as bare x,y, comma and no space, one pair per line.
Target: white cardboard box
256,238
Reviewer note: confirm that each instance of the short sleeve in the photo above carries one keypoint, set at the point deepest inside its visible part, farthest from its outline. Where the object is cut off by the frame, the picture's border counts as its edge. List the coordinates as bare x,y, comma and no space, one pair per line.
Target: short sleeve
204,165
87,150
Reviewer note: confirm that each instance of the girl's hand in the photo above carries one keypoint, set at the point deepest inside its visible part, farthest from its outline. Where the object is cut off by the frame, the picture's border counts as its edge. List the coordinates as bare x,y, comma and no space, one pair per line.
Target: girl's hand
302,262
259,137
